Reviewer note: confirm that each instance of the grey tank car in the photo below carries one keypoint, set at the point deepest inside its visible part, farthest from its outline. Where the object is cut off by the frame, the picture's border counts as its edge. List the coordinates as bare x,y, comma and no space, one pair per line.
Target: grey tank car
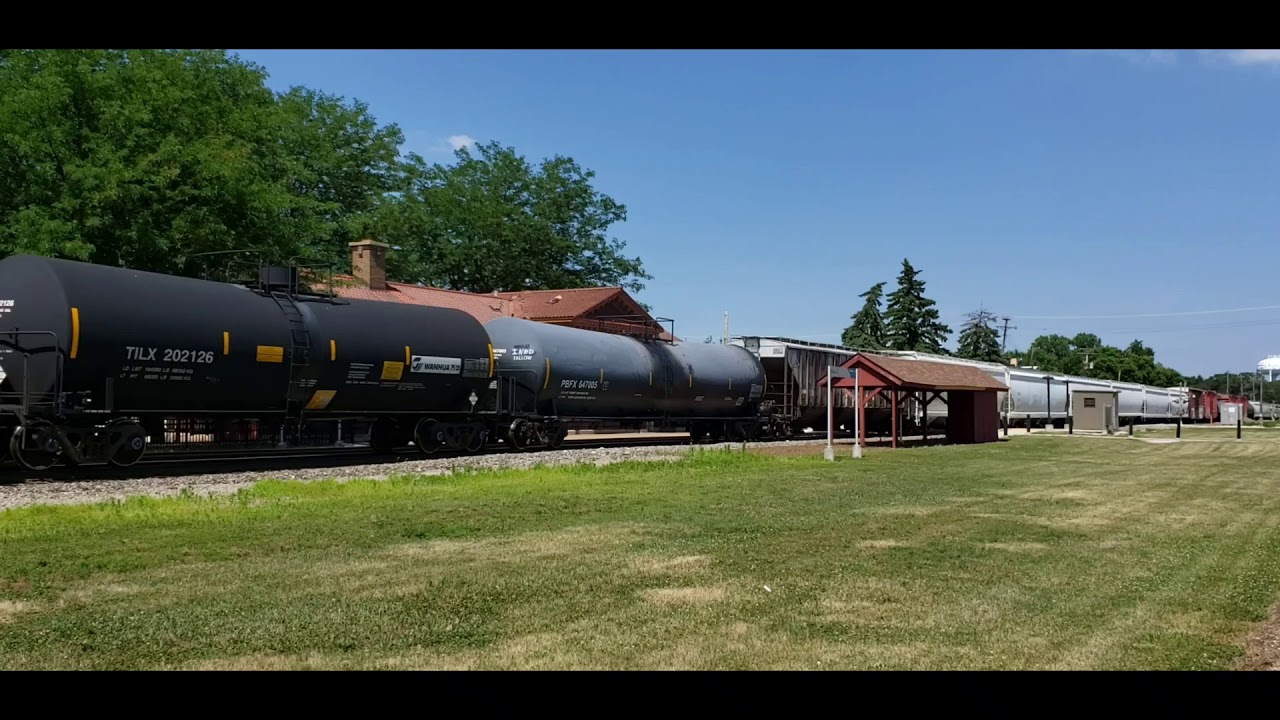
552,377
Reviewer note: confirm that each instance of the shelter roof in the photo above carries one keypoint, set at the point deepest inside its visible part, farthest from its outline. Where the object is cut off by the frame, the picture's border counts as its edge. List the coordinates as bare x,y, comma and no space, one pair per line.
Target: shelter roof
888,372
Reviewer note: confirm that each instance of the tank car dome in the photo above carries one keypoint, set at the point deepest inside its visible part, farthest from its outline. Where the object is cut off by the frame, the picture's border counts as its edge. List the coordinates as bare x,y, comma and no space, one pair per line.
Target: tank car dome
1272,362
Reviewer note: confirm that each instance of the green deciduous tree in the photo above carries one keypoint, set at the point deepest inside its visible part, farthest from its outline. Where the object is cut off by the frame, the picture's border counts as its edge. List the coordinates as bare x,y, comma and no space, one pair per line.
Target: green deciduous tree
142,158
1052,353
912,321
979,339
1086,355
494,221
867,331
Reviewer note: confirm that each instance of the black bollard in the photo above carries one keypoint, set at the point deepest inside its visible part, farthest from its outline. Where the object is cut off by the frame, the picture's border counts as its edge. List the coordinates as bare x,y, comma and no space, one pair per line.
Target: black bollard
1239,424
1130,428
1071,424
1179,430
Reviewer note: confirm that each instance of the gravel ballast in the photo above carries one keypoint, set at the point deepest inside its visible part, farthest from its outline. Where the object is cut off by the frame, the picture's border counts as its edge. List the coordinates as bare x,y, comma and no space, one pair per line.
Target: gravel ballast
71,492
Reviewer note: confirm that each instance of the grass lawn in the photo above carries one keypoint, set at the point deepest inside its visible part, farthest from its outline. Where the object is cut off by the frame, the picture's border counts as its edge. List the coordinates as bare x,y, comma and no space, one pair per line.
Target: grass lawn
1041,552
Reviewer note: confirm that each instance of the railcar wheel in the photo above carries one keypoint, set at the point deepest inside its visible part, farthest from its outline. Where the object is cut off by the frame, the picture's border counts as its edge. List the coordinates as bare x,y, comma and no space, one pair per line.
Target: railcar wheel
382,436
557,435
518,434
451,438
424,436
476,438
41,445
126,443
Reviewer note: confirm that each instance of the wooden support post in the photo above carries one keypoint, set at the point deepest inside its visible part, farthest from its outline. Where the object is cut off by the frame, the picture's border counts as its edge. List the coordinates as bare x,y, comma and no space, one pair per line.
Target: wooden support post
862,417
893,435
924,416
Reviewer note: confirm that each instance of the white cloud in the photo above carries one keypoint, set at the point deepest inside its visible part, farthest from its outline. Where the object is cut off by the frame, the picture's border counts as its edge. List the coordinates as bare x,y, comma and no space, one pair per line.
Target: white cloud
1252,57
457,142
1208,57
1153,57
1142,57
428,143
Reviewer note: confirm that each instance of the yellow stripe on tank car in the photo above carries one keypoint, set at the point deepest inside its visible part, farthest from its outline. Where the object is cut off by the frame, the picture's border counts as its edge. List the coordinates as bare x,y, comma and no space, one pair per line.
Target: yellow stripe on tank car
333,350
270,354
75,332
321,399
226,343
547,379
601,374
490,359
407,363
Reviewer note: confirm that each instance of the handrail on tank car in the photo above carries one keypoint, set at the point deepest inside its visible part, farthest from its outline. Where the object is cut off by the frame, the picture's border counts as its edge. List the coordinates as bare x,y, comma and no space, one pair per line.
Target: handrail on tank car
27,404
227,274
314,262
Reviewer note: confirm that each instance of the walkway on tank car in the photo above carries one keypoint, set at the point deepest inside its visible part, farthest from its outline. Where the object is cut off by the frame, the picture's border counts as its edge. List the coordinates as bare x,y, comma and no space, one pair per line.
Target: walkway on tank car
973,413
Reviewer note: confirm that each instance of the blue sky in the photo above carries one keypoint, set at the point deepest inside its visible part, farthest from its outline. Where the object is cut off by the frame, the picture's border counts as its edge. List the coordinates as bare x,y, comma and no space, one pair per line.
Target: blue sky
778,185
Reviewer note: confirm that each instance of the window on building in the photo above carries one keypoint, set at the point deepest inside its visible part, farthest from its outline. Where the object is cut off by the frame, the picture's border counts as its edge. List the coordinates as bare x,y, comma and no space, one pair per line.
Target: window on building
1090,402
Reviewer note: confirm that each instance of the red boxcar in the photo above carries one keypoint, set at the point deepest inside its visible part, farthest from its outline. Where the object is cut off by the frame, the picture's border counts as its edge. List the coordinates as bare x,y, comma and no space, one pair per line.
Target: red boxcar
1202,405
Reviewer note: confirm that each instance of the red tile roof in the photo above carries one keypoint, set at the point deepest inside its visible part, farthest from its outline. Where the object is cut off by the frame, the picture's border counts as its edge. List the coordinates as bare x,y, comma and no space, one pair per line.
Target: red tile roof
540,305
920,374
938,375
482,307
561,304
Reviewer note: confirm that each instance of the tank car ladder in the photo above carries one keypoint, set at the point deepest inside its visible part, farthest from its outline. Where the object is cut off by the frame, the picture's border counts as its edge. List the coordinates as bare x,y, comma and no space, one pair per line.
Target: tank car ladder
299,354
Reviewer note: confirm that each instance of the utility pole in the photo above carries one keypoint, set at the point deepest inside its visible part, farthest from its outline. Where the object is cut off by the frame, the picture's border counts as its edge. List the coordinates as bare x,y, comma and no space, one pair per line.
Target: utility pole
1004,334
726,328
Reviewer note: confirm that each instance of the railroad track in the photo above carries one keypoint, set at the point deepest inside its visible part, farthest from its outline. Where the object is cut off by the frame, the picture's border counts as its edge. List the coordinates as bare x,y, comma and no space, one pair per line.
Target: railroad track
180,464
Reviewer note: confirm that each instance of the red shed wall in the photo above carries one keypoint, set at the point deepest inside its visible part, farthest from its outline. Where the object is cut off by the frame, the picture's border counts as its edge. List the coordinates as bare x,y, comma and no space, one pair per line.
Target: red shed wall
973,417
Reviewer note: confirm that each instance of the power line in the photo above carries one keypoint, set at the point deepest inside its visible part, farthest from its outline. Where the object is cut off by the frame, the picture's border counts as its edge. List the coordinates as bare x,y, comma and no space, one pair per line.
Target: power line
1145,315
1184,328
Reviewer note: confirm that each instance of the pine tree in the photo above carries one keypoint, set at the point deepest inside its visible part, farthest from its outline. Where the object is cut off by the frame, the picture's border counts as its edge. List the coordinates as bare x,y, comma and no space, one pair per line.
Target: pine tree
979,339
912,321
867,331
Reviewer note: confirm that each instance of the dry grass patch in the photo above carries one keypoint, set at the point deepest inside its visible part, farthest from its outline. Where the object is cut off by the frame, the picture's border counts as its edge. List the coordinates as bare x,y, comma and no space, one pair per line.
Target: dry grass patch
525,547
883,544
1017,547
9,609
1262,646
680,565
684,595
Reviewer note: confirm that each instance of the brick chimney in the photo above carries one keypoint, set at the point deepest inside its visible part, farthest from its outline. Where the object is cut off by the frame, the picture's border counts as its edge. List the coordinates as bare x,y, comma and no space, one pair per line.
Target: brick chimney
369,263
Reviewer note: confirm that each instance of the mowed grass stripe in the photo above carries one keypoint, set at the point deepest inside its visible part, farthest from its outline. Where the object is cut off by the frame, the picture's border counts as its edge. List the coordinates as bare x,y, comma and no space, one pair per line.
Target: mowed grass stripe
1037,553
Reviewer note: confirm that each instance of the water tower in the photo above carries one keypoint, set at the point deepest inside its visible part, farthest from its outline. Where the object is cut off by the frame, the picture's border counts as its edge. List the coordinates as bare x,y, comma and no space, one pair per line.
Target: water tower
1270,368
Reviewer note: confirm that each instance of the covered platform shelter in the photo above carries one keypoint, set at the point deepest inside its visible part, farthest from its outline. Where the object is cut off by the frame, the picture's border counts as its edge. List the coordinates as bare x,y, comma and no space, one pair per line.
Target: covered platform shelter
973,407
